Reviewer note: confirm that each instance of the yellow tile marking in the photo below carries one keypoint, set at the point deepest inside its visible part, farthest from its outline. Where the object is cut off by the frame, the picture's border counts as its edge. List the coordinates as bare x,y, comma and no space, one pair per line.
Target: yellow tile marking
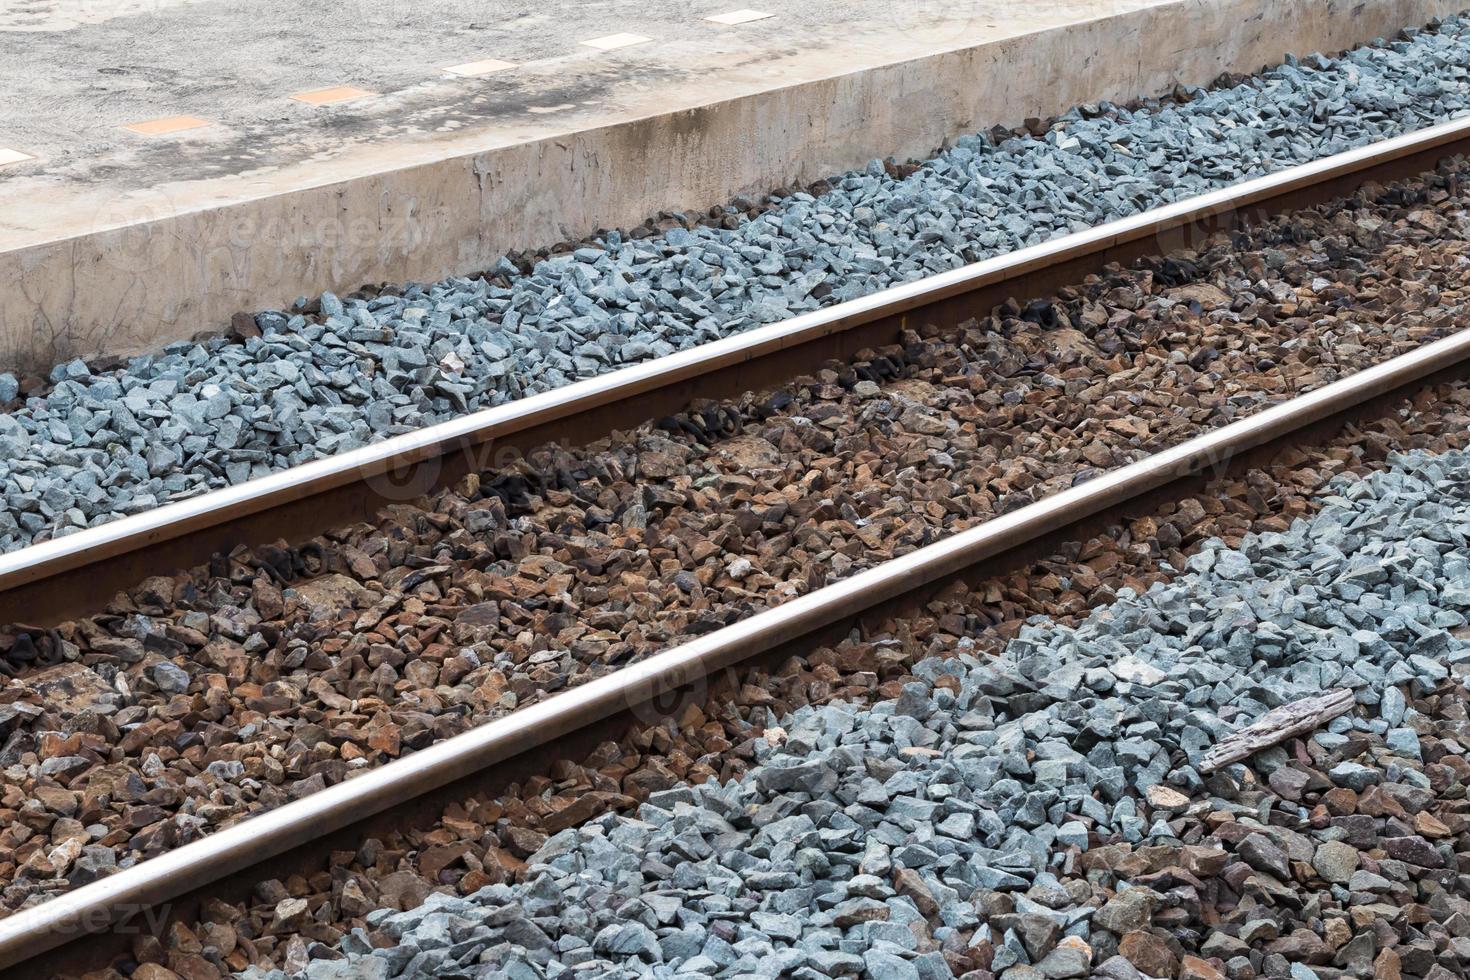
9,156
474,69
612,41
166,126
739,17
331,96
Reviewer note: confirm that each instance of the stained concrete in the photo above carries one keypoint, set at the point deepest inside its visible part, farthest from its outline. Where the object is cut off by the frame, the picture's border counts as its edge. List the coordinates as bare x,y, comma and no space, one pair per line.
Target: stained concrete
116,243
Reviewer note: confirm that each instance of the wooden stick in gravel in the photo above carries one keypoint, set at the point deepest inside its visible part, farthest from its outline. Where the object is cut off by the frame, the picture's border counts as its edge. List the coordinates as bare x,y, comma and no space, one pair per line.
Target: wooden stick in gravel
1277,725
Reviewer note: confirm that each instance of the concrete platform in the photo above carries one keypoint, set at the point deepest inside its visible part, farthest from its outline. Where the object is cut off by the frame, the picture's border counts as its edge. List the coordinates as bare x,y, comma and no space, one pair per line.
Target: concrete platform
165,177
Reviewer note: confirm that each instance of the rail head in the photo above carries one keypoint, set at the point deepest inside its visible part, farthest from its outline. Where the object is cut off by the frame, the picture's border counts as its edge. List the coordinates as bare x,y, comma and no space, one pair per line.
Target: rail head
94,907
45,560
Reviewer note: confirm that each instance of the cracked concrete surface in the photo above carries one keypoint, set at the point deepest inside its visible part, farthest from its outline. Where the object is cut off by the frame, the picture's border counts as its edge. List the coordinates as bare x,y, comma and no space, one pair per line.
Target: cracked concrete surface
119,243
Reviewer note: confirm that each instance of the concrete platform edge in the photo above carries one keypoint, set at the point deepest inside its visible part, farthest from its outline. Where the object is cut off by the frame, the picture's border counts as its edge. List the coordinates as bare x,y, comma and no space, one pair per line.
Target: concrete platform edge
182,265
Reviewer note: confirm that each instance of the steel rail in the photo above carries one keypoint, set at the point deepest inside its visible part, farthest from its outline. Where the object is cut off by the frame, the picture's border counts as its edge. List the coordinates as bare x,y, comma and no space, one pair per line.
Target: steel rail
162,879
73,574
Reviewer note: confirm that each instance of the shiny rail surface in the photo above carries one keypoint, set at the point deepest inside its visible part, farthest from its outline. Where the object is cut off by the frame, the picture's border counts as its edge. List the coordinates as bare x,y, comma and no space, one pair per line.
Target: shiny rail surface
69,576
159,881
86,927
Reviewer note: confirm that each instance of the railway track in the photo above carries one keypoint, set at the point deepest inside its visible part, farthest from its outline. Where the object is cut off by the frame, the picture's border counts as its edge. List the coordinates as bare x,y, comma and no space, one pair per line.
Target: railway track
44,583
64,577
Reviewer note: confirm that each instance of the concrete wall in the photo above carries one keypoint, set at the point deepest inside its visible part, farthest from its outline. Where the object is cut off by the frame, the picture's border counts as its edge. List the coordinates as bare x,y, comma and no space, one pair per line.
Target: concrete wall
128,272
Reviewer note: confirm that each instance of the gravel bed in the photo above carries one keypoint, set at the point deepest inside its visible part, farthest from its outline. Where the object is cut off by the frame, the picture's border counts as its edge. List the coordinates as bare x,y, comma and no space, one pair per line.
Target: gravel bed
1042,815
87,446
716,734
198,699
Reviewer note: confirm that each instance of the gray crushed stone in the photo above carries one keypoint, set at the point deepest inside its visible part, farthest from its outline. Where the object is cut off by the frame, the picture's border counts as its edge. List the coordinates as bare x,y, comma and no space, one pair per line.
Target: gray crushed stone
200,416
791,870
